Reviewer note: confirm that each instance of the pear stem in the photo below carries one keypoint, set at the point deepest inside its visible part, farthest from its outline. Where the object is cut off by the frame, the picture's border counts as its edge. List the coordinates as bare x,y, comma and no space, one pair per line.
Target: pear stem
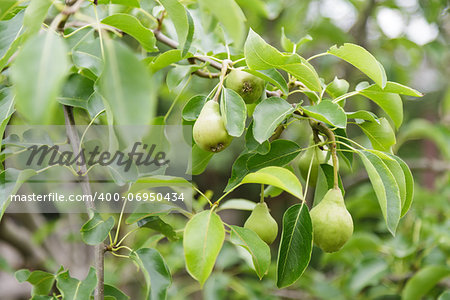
261,199
321,127
223,73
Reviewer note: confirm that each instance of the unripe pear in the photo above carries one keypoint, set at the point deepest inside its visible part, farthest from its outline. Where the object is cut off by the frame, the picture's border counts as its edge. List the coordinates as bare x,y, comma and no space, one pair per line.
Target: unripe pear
209,130
248,86
318,157
332,223
261,222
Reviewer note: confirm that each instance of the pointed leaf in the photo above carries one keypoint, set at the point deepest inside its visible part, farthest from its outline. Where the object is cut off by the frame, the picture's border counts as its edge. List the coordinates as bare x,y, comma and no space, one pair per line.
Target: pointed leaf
272,76
381,135
257,248
155,223
423,281
234,112
328,112
203,238
96,230
295,249
74,289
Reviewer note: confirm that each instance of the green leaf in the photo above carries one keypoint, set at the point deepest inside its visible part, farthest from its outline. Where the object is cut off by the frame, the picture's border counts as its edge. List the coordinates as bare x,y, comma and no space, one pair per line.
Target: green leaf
238,171
156,272
233,111
295,249
166,59
10,182
389,102
328,112
381,135
87,55
41,281
182,22
203,238
229,15
35,14
268,115
132,26
239,204
257,248
361,59
10,30
445,295
6,109
363,115
74,289
325,182
253,145
132,3
96,230
145,210
423,281
337,87
155,223
128,94
278,177
261,56
347,154
200,159
280,154
193,107
397,88
272,76
409,181
112,291
38,74
385,186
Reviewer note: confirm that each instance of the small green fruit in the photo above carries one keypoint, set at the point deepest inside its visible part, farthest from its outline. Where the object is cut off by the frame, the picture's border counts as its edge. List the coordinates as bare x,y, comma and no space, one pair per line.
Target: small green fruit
261,222
332,223
209,130
318,157
248,86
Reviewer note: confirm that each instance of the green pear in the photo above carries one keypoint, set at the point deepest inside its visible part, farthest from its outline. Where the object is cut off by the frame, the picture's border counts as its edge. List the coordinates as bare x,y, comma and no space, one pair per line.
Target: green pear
332,223
318,157
209,130
261,222
248,86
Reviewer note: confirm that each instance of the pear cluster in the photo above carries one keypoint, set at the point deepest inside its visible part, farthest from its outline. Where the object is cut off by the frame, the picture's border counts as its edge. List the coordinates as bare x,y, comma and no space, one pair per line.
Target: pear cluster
332,223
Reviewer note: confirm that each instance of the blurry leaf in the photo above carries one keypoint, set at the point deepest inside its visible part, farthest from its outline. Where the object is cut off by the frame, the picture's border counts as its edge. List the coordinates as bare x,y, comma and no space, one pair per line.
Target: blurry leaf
280,154
229,15
145,210
272,76
132,26
156,272
96,230
261,56
389,102
155,223
268,115
361,59
368,272
233,111
6,109
199,160
445,295
423,281
87,55
251,242
114,292
35,14
132,3
239,204
41,281
124,84
295,246
10,182
385,186
203,238
328,112
272,191
182,22
381,135
337,87
74,289
38,74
